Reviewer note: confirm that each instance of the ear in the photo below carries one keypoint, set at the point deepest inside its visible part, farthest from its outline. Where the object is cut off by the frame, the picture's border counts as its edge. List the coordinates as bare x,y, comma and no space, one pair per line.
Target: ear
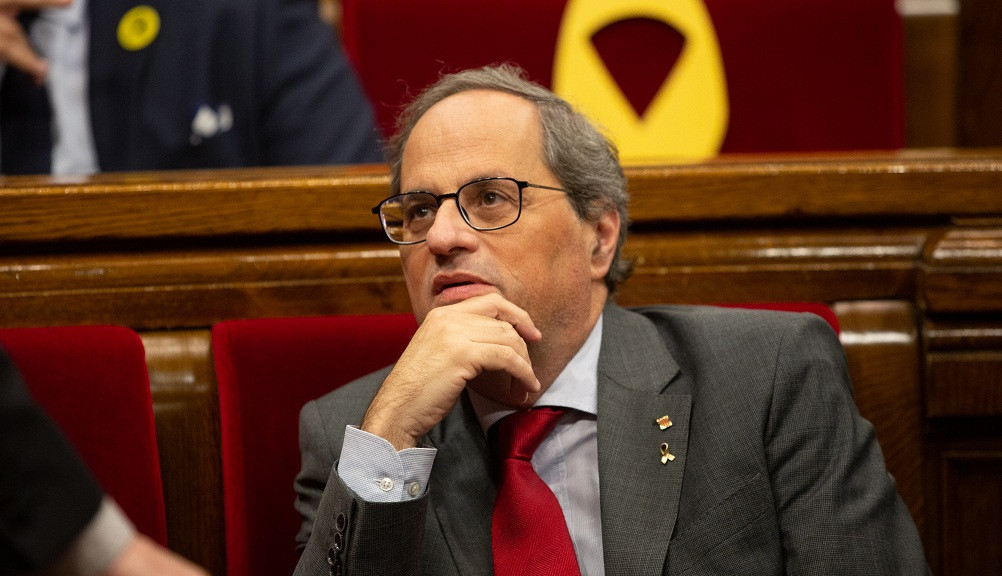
604,245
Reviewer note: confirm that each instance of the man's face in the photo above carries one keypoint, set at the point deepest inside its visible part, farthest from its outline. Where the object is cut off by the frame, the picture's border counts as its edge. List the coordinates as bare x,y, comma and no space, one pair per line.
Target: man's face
547,263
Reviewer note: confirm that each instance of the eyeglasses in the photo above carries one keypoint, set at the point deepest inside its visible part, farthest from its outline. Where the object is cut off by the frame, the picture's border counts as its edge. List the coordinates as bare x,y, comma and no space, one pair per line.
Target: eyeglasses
485,204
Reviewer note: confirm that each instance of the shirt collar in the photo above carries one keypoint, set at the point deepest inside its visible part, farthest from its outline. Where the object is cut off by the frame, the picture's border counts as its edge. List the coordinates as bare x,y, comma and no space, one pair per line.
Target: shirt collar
576,387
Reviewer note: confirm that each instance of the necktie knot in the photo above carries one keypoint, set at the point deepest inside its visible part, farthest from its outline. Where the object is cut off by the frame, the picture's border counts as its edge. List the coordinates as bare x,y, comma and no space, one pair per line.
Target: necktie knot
519,434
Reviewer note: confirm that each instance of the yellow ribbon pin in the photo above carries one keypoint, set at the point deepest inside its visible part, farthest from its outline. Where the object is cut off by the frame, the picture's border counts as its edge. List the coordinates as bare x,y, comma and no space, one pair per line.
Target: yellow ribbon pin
138,28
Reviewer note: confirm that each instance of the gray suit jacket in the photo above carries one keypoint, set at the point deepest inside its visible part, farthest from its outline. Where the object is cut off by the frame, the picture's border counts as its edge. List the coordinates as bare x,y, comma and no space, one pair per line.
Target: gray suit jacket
775,470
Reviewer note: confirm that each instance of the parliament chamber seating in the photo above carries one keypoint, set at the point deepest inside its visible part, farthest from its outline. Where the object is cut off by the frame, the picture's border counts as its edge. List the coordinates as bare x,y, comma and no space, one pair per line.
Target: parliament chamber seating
904,248
92,381
266,369
798,76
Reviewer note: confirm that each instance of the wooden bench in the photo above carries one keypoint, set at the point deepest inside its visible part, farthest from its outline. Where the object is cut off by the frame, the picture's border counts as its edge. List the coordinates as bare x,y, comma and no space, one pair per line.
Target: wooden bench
906,248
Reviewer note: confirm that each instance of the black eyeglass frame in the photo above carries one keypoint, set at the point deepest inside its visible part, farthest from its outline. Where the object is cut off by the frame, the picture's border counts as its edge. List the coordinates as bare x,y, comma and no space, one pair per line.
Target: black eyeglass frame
439,198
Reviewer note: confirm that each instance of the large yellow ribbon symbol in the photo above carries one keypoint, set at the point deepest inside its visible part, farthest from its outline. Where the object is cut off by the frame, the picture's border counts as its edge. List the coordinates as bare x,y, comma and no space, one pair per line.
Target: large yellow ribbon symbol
686,120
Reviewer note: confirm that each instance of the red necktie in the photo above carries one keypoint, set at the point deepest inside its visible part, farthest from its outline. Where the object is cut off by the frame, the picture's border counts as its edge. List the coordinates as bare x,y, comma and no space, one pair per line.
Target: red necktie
529,533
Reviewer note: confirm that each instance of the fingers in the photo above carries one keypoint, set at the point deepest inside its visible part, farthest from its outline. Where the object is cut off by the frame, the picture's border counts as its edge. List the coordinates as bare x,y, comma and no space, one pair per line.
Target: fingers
488,334
142,556
19,5
504,388
16,50
480,341
520,379
495,306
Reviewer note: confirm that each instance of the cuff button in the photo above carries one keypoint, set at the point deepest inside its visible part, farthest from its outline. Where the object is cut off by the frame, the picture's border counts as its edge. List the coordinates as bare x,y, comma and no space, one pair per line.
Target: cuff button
338,544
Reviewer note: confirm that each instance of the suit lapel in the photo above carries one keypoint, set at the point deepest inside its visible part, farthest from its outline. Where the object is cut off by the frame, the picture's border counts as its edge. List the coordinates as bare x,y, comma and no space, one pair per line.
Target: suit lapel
639,494
463,497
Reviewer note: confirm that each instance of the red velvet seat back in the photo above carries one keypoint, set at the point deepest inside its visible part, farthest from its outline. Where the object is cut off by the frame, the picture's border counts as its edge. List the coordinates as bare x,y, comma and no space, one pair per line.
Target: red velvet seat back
266,370
93,381
801,75
818,308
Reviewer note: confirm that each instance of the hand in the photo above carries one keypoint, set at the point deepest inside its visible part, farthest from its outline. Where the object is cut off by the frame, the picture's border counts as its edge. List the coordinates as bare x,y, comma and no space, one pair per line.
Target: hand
480,341
15,50
142,556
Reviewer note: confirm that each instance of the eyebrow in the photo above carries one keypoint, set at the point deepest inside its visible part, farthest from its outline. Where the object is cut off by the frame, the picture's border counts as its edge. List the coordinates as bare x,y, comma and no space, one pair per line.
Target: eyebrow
483,176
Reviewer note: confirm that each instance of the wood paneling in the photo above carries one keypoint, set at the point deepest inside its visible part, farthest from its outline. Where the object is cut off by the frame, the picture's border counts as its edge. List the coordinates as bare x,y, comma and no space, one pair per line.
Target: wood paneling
963,297
965,384
881,343
198,287
964,270
931,79
232,206
187,418
980,69
817,264
972,512
177,204
910,183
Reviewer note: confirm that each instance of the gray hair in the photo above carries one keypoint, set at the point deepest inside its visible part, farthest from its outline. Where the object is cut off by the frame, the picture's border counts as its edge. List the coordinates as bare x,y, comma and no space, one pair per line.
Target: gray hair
585,161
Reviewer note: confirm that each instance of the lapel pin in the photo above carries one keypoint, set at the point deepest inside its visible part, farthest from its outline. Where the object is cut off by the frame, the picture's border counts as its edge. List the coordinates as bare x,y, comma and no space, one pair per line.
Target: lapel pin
138,28
664,422
665,454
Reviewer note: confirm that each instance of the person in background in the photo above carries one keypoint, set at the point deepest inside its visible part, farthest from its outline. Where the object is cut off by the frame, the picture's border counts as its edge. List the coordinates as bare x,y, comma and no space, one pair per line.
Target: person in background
54,517
110,85
534,427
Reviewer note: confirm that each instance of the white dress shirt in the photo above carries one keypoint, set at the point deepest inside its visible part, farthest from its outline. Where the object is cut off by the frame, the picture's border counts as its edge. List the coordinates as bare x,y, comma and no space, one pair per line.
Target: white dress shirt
566,460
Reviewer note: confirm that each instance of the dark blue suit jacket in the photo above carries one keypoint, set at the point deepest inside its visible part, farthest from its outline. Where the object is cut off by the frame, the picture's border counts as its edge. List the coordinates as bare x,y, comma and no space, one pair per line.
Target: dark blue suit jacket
272,67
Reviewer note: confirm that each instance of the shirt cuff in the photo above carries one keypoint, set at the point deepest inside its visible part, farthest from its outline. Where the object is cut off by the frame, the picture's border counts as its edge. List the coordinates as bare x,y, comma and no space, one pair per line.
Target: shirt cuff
99,544
374,470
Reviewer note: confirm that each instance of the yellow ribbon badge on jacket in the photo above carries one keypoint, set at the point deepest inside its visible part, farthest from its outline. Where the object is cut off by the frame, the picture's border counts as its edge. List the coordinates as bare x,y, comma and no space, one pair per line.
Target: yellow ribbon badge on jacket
686,120
138,28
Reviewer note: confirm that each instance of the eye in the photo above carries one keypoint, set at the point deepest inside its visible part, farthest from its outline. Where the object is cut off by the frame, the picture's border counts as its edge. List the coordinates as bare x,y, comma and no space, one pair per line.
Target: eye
416,212
419,207
490,197
490,194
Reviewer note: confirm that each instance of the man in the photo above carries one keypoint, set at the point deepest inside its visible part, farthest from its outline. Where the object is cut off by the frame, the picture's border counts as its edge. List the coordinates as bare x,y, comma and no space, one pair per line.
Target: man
54,518
698,440
109,85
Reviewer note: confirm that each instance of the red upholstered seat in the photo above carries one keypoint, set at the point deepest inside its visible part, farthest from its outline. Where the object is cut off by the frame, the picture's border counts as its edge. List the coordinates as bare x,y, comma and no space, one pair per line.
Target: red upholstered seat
266,370
818,308
93,381
801,76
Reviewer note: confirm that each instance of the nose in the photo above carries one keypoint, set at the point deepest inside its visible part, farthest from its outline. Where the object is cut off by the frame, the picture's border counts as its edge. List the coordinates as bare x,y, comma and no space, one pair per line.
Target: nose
449,231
